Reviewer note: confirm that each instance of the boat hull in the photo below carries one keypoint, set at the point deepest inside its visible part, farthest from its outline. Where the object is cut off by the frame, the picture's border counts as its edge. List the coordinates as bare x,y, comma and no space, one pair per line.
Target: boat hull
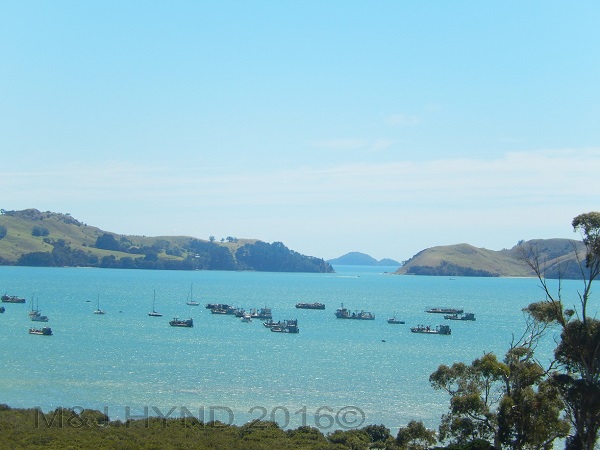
189,323
441,329
466,316
46,331
12,299
355,316
444,311
39,318
310,305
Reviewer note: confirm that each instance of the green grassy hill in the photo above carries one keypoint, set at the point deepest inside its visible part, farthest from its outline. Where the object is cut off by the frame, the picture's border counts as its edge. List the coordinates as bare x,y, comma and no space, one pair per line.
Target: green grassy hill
34,238
557,255
19,239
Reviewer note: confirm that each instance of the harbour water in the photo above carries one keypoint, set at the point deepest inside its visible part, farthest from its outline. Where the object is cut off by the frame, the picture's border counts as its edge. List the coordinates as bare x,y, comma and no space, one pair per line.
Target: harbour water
333,374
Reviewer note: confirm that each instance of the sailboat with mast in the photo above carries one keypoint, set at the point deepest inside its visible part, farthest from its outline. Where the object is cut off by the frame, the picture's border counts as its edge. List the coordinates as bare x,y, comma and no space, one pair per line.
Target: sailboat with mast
154,313
34,311
191,301
98,310
36,314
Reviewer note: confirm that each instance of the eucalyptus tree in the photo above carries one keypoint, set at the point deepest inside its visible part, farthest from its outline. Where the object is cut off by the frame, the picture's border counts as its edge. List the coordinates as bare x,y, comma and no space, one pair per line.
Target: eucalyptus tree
507,402
577,355
415,436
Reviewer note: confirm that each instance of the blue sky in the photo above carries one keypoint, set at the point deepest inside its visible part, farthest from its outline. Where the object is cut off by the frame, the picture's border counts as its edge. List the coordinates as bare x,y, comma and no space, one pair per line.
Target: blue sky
381,127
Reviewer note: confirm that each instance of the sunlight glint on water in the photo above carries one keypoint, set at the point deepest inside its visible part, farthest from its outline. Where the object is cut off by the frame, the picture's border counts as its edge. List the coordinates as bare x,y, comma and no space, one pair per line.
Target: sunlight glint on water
127,359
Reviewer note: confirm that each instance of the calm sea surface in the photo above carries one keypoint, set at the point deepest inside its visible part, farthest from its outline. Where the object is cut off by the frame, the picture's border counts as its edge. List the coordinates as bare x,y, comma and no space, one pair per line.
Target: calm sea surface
333,374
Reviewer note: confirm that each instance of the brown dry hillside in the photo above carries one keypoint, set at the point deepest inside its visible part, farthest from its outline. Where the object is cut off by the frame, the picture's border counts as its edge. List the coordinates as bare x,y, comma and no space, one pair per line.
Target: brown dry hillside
557,255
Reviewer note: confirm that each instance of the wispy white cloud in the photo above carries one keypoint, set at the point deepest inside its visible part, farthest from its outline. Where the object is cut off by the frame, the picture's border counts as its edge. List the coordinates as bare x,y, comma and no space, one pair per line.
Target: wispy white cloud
491,202
403,120
341,144
515,177
382,145
375,145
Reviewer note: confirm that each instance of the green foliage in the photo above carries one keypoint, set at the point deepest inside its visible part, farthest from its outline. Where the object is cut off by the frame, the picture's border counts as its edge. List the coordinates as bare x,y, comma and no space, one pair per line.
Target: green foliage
211,255
579,381
378,433
276,257
90,429
477,444
3,231
578,348
546,312
415,436
589,226
353,439
40,259
529,414
576,374
107,241
40,231
508,402
473,392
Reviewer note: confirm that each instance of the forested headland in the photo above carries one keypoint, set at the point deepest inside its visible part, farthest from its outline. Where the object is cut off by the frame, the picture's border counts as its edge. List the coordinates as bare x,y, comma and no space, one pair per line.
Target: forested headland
33,238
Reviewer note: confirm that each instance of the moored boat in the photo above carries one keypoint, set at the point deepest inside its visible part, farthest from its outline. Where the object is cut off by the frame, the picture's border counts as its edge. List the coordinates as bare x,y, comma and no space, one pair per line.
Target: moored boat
216,306
344,313
98,310
269,323
46,331
225,310
262,313
2,309
395,321
191,301
12,299
465,316
289,326
187,323
440,329
39,318
33,312
154,312
315,305
36,314
444,311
